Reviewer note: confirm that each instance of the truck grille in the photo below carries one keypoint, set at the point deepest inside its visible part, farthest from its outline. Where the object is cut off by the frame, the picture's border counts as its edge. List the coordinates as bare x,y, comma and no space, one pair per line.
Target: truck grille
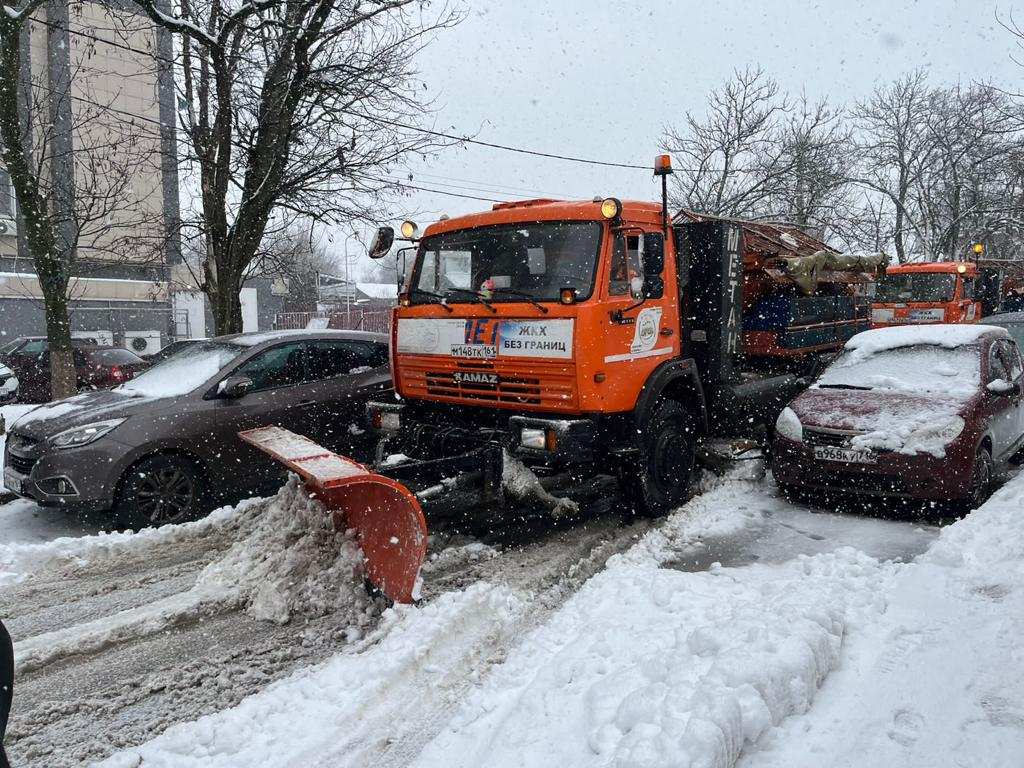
543,386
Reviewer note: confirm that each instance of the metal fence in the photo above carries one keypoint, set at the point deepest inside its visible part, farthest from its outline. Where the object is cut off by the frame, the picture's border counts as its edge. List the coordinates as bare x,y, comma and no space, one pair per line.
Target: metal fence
355,319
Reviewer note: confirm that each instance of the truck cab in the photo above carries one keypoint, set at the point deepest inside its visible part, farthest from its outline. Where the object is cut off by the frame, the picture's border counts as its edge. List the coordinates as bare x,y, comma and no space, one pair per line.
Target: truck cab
915,294
583,338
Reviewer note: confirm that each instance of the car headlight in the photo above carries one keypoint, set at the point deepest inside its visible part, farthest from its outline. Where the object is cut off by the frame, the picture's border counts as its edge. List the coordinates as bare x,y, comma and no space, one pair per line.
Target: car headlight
85,434
933,438
788,426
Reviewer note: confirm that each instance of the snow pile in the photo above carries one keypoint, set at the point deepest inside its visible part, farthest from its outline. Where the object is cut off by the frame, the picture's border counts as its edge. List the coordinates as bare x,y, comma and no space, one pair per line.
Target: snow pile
70,555
948,336
721,509
286,558
285,724
289,560
650,667
939,678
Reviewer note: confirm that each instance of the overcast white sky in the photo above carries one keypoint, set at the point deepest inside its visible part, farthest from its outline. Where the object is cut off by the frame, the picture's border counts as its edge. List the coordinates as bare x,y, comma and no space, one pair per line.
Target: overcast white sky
601,79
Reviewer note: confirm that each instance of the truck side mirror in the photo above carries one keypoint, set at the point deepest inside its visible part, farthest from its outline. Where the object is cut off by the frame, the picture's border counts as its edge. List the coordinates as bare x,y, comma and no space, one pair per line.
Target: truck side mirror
654,264
382,242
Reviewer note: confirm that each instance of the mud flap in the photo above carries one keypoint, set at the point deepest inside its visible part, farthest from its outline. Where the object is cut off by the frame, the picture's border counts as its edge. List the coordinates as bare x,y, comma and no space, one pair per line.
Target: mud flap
385,515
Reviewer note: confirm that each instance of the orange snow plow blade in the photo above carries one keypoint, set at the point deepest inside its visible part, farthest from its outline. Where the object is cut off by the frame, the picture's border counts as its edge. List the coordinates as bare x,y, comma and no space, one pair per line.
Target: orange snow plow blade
384,513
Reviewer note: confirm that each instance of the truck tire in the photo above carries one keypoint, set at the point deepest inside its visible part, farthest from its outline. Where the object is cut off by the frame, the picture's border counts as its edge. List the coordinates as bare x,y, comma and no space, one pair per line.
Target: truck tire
659,481
161,490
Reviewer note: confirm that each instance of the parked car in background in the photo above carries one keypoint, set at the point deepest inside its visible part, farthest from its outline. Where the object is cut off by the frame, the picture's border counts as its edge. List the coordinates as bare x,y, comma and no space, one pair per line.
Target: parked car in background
8,384
164,447
1011,321
926,412
97,368
171,349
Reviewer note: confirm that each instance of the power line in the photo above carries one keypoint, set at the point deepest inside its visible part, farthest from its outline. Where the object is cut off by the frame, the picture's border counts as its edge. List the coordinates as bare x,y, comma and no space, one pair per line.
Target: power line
438,191
492,145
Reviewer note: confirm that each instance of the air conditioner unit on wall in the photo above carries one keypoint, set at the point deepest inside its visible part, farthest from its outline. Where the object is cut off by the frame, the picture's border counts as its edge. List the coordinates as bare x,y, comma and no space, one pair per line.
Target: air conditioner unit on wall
142,342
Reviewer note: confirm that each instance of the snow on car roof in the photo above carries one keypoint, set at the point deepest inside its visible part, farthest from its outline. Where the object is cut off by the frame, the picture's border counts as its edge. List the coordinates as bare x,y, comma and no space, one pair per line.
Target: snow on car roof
252,339
941,335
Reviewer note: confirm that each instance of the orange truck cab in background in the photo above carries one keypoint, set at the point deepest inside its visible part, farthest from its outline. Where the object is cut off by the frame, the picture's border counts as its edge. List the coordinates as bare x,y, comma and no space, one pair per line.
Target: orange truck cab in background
935,292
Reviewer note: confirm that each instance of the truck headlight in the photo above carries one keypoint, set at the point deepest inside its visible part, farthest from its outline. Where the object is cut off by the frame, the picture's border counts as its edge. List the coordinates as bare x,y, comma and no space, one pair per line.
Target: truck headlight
532,438
85,434
882,315
788,426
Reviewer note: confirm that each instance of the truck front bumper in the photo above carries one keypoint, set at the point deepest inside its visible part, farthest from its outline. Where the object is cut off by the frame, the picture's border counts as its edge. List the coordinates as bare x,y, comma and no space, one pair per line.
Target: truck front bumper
535,439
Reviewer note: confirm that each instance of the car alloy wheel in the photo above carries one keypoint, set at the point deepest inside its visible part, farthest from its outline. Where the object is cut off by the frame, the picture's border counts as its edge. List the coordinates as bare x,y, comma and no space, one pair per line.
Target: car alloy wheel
165,495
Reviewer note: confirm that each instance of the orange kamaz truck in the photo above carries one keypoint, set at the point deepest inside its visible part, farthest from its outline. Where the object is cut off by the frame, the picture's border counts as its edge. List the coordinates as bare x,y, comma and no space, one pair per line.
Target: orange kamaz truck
598,338
932,292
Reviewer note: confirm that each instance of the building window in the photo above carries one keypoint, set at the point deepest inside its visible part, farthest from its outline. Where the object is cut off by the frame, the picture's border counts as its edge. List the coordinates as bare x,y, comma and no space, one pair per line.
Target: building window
6,195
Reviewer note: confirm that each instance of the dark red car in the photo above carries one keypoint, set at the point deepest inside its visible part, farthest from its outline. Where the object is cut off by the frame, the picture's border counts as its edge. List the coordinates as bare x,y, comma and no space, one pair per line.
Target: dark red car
97,368
927,412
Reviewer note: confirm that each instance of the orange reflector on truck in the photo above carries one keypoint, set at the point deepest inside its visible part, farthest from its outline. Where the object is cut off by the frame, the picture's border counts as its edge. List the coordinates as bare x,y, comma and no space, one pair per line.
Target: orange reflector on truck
385,515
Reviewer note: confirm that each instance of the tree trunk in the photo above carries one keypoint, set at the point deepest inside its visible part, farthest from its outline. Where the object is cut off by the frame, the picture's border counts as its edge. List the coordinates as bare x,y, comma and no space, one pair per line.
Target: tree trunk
51,270
226,305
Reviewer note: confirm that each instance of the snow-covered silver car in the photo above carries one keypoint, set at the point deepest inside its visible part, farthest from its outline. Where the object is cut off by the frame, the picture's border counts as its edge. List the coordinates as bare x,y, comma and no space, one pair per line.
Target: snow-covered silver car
164,447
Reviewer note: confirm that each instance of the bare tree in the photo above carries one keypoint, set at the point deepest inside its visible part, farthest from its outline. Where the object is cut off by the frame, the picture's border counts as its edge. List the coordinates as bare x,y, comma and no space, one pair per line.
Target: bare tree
731,159
897,147
71,162
282,104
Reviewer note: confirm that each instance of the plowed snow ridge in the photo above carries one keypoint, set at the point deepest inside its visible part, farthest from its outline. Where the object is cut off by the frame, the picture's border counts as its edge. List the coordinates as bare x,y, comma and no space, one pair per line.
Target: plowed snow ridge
285,556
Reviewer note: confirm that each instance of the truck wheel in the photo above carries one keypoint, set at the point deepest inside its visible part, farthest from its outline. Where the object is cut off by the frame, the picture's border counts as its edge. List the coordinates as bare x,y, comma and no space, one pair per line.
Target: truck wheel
660,481
160,490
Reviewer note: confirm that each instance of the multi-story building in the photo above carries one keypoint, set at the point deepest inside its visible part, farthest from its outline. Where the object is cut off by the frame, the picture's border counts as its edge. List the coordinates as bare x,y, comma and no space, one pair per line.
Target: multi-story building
98,91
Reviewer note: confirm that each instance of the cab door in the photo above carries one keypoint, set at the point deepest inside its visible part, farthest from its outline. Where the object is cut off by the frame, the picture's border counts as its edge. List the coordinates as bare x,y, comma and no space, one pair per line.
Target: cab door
639,333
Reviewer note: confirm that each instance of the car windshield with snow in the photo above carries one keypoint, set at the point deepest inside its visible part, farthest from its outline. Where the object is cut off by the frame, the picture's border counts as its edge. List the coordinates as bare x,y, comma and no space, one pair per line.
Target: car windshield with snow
929,413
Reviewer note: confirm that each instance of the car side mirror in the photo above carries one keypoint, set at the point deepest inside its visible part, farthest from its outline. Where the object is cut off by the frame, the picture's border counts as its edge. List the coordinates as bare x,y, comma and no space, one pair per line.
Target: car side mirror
382,242
1003,387
234,387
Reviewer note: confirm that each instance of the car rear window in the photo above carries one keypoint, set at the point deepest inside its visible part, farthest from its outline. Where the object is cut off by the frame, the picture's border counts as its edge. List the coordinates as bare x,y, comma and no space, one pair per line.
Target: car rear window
113,356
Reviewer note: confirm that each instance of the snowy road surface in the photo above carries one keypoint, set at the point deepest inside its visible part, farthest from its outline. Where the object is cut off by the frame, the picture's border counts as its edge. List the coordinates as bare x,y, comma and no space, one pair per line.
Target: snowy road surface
742,629
172,646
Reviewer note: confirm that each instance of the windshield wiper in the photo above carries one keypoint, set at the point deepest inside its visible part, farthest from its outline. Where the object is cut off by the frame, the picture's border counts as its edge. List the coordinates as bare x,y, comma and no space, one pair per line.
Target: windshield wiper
436,298
469,292
841,386
520,294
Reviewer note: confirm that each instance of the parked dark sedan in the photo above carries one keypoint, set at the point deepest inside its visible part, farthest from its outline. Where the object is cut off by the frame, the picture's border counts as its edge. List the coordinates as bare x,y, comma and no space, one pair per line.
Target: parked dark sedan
171,349
96,367
164,447
929,412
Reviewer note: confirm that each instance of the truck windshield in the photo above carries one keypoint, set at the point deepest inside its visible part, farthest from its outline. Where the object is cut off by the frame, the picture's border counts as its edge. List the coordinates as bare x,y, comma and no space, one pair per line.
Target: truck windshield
920,286
533,259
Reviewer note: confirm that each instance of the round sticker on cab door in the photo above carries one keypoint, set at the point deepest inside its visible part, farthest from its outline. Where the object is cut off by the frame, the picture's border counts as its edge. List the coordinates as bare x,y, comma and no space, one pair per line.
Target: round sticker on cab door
645,333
